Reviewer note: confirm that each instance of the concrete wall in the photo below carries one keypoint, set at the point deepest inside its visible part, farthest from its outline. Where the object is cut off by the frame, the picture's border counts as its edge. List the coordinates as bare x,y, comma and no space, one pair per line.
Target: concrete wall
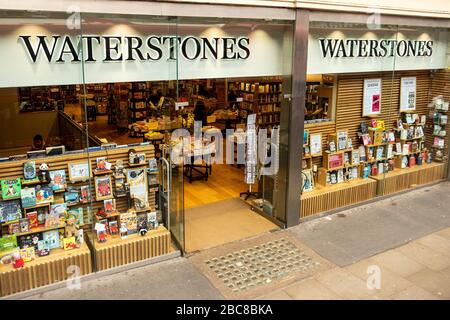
17,129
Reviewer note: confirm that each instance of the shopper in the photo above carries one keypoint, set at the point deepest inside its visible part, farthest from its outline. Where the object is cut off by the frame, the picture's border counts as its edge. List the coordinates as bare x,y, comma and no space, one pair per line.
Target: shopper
200,112
38,143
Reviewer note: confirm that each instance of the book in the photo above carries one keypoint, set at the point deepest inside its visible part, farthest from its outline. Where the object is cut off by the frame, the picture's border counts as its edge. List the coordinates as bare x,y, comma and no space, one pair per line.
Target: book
14,228
44,194
28,254
142,221
77,213
85,194
24,225
58,180
129,220
29,170
152,220
10,211
30,240
52,239
59,209
69,243
109,206
152,165
71,197
113,228
11,188
43,248
28,196
8,243
33,219
41,215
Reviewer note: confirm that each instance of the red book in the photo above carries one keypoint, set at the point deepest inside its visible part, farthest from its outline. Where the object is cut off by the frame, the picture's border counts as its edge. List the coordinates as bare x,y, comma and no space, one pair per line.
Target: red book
32,216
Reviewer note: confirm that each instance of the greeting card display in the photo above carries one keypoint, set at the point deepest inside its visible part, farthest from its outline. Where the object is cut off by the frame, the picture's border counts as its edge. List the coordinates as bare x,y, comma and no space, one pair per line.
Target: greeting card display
11,188
103,188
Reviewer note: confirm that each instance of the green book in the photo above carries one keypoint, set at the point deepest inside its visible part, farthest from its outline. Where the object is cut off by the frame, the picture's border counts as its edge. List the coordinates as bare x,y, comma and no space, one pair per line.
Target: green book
11,188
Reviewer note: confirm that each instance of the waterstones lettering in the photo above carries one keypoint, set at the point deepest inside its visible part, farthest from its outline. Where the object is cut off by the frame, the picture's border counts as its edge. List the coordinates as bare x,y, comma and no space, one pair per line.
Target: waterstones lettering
351,48
130,48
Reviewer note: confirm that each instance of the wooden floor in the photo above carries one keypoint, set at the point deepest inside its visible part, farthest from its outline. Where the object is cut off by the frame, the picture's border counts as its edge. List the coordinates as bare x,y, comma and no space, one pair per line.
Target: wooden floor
222,222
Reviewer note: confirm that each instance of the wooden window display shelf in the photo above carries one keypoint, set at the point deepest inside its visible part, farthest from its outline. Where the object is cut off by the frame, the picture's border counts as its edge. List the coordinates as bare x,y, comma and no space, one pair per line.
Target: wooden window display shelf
44,270
117,251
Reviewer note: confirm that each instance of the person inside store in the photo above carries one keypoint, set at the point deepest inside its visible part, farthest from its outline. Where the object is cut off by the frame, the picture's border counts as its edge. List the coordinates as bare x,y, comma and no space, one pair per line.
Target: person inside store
38,143
200,112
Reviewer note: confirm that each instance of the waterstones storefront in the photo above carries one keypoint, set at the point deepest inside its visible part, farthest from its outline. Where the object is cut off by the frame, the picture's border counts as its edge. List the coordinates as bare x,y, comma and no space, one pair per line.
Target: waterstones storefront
312,115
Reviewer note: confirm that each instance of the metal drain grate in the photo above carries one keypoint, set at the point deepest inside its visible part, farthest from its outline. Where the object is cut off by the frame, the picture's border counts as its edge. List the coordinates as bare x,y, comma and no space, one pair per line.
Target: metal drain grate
248,268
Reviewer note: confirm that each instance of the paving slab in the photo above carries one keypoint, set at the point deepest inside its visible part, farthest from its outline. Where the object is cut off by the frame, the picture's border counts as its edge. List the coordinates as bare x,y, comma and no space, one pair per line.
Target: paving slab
362,232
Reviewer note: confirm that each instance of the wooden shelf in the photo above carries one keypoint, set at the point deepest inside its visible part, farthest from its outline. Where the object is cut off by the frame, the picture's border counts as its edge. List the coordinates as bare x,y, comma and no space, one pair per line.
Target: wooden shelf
31,183
40,205
412,139
112,215
104,172
39,230
137,164
77,204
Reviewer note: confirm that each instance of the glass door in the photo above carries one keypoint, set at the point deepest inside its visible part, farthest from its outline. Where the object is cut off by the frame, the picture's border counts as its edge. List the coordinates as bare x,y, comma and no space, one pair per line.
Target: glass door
171,198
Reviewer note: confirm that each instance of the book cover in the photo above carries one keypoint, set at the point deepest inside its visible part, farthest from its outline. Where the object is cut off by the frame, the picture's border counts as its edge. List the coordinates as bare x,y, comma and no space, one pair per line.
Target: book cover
11,188
24,225
152,220
44,194
71,197
29,170
59,209
85,194
77,214
152,165
129,220
30,240
69,243
51,237
58,180
14,228
32,218
8,243
28,254
42,248
41,215
109,206
142,221
10,210
113,228
28,196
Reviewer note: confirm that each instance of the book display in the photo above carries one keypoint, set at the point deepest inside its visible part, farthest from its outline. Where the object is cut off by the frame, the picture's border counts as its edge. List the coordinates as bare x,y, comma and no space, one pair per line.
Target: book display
49,221
439,111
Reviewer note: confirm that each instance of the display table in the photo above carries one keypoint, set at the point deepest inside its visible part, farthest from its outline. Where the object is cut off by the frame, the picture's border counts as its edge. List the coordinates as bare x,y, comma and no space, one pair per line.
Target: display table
44,270
116,251
323,199
401,179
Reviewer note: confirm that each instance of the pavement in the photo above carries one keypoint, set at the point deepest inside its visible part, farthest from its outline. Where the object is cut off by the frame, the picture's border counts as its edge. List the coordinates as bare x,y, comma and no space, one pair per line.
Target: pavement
396,248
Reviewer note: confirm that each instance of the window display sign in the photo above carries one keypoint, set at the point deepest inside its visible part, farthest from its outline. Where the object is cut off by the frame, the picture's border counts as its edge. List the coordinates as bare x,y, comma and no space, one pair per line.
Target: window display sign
408,94
372,97
316,144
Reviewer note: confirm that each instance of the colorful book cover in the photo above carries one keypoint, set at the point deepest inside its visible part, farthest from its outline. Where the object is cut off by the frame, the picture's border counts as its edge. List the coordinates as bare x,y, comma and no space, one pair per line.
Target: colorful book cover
69,243
71,197
85,194
58,180
28,254
142,221
44,195
51,237
30,240
28,196
10,210
113,228
77,214
41,215
29,170
24,225
129,220
11,188
42,248
59,209
14,228
8,243
33,219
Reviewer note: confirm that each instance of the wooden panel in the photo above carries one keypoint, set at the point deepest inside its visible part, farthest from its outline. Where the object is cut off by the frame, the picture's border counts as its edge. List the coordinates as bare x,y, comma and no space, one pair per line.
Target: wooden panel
403,179
340,195
116,251
350,98
44,270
